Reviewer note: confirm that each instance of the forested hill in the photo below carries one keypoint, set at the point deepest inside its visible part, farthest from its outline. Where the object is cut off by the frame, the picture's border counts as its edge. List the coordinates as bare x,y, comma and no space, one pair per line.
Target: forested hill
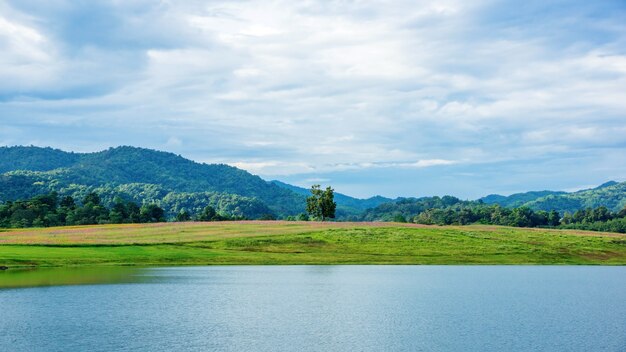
139,172
517,199
35,159
610,194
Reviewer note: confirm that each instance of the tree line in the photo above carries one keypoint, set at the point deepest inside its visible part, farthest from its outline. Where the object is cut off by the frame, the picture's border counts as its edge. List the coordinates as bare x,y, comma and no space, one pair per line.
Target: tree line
51,210
598,219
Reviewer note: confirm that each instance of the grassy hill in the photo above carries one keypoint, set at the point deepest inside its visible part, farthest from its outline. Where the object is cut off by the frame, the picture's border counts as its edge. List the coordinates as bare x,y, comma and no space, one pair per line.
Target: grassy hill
305,243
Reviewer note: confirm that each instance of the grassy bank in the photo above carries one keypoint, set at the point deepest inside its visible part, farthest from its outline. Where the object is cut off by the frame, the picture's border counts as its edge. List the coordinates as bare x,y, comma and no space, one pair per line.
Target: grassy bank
305,243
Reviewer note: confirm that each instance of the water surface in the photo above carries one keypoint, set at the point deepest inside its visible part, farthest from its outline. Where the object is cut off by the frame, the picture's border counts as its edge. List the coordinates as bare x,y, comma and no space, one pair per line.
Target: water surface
316,308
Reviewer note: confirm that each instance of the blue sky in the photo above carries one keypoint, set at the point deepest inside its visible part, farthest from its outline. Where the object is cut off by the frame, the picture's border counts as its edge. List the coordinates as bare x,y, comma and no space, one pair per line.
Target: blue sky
399,98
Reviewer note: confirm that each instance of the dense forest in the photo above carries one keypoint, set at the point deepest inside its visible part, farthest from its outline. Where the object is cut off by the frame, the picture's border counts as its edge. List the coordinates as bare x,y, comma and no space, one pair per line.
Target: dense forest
610,194
449,210
598,219
30,171
52,210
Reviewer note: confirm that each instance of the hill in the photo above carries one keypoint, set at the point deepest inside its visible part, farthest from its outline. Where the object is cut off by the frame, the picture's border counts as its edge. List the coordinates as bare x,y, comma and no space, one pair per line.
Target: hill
34,159
517,199
261,243
138,174
610,194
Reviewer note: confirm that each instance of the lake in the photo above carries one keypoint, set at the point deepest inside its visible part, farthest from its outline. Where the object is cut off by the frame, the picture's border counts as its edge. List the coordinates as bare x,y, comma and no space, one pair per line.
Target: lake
315,308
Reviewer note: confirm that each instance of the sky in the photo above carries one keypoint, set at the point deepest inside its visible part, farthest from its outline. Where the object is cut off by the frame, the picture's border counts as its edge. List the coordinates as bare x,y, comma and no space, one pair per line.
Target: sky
397,98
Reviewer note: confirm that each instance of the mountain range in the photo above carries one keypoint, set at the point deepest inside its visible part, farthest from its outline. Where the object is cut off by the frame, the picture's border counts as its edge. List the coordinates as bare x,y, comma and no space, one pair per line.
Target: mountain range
611,194
175,183
145,175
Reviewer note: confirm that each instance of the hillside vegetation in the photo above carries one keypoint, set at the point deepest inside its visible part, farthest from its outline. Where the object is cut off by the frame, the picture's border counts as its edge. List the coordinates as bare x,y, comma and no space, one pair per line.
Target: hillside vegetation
611,195
141,175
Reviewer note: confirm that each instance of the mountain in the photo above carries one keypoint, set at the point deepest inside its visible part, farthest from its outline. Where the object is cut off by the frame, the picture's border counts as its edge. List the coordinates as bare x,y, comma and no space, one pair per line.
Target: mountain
34,159
517,199
176,183
28,171
607,184
610,194
346,205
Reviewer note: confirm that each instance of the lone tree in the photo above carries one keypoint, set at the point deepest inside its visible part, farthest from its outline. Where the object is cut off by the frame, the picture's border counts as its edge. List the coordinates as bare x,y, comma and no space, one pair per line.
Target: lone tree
321,204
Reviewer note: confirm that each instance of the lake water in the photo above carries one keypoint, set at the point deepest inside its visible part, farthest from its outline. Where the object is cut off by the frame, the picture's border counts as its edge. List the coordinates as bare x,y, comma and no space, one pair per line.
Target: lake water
315,308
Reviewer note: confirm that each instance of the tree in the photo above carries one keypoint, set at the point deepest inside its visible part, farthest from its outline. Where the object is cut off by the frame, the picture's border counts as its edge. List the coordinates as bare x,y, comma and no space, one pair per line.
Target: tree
267,217
554,219
399,218
152,213
68,202
92,198
118,213
321,204
208,214
183,215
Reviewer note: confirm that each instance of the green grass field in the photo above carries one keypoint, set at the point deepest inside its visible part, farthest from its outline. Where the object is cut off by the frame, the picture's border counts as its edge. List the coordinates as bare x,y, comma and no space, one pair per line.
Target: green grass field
274,242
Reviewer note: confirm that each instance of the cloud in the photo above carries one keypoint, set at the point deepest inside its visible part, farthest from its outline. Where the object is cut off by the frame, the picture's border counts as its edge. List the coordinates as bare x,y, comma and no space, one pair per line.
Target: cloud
27,59
308,88
274,168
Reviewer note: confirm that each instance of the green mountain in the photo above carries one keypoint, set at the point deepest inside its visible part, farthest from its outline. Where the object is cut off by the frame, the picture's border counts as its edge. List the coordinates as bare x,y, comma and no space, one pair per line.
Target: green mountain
142,175
610,194
517,199
346,205
176,183
34,159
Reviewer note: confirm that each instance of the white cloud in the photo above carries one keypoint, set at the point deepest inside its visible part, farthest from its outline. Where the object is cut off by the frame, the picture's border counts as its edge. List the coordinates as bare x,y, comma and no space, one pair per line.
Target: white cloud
28,57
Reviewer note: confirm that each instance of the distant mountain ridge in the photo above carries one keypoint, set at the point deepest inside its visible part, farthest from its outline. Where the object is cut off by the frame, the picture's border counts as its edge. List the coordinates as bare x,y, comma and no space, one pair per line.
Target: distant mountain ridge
145,175
517,199
610,194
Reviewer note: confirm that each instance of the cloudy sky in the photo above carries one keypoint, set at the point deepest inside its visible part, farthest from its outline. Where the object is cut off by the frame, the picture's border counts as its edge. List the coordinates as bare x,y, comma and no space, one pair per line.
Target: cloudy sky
399,98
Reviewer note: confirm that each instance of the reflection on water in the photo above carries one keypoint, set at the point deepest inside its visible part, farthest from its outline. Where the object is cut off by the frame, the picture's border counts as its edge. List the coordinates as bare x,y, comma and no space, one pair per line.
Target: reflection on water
14,278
